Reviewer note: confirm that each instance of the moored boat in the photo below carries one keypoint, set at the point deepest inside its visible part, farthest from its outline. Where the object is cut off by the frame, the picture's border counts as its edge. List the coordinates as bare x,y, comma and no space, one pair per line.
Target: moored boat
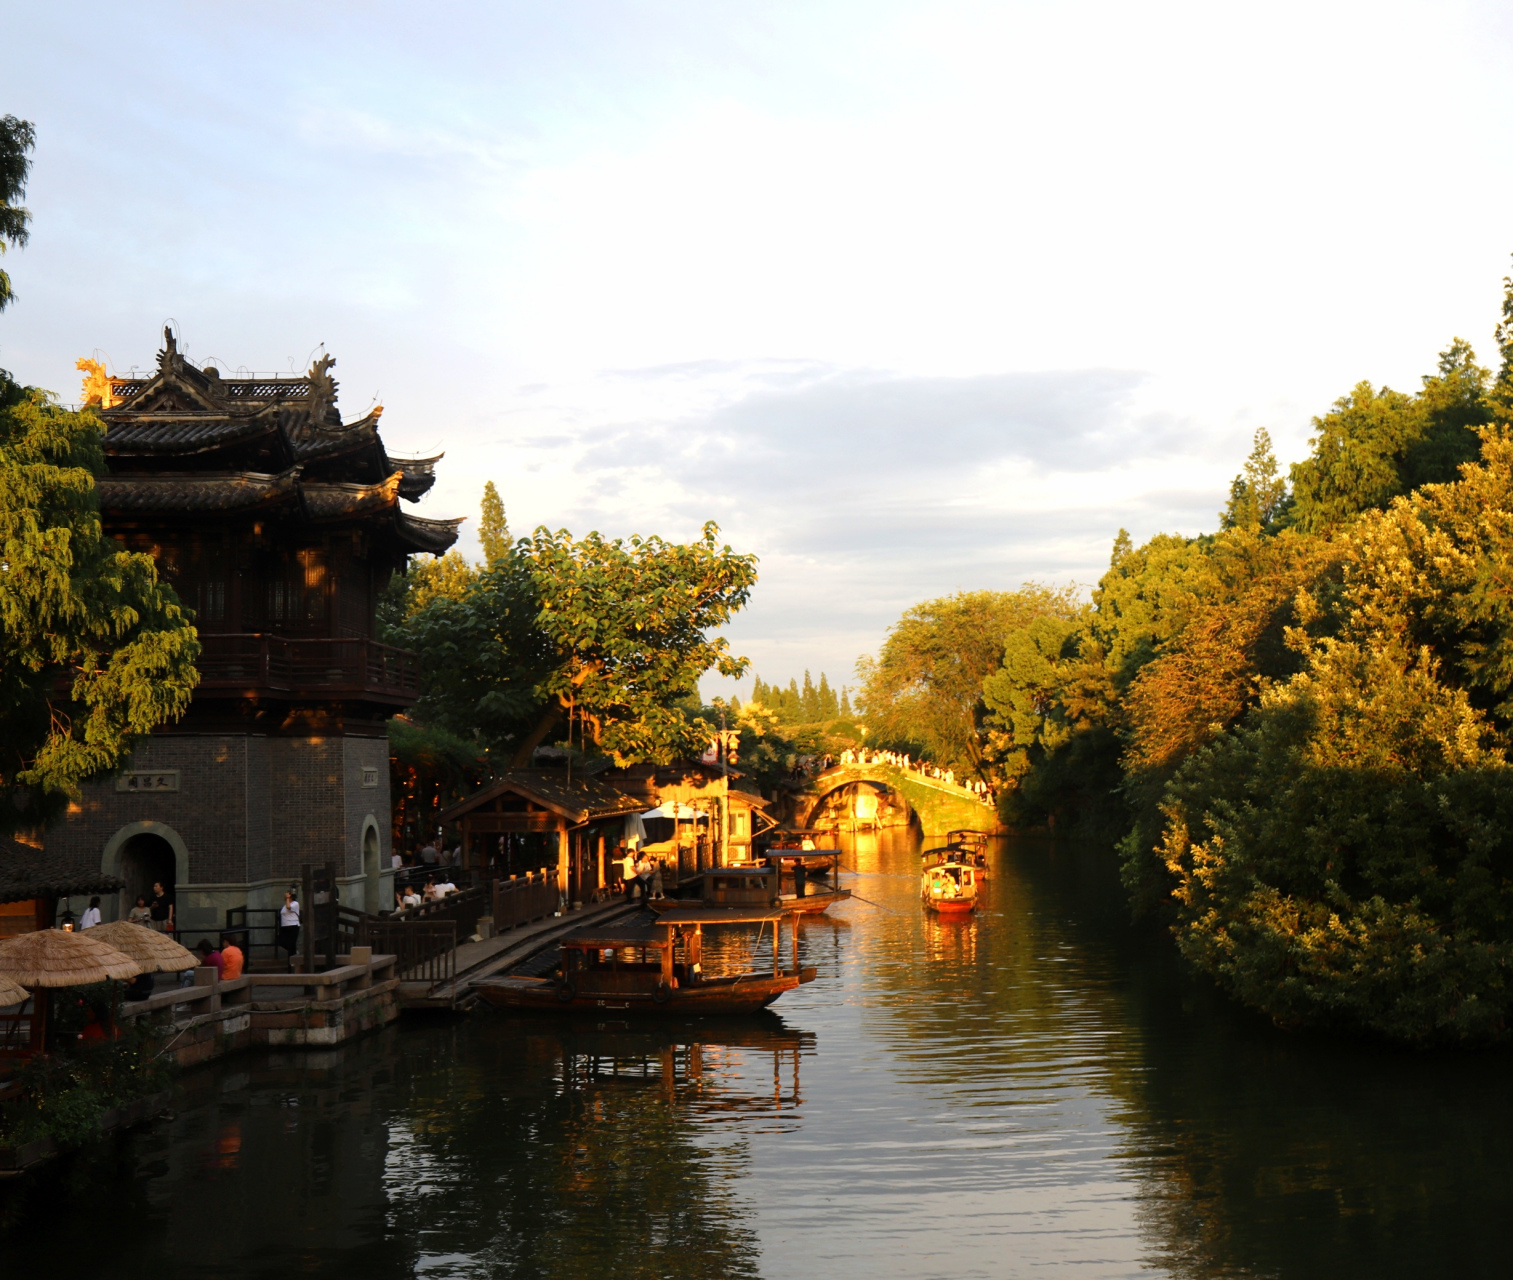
652,966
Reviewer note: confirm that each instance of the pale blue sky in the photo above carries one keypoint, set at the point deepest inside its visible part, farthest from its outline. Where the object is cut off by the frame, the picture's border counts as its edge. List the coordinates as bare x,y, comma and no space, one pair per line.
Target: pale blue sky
908,297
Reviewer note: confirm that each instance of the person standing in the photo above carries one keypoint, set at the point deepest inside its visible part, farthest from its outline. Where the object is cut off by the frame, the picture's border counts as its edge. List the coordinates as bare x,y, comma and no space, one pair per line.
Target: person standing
288,923
91,916
141,913
160,909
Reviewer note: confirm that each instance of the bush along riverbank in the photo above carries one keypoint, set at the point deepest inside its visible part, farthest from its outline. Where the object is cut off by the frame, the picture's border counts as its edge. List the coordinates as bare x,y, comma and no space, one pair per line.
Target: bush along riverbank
86,1085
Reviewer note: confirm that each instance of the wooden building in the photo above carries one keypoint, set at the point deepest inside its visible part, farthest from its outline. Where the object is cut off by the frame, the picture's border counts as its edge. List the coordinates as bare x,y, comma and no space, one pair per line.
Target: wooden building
537,819
279,525
530,819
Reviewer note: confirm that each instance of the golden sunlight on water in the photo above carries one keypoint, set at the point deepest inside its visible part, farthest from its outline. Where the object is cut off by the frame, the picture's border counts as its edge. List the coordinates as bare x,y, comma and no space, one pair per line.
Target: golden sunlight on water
1033,1090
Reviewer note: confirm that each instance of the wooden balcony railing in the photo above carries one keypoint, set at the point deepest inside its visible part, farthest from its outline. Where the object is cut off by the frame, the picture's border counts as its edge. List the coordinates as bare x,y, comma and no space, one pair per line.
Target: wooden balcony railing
258,662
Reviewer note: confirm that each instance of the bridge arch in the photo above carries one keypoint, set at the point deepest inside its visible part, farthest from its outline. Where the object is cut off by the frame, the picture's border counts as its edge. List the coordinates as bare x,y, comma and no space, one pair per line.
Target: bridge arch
934,805
862,802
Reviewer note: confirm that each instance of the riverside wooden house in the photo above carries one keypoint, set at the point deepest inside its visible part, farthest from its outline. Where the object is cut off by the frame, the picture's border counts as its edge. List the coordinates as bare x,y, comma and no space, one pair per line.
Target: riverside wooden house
279,525
533,819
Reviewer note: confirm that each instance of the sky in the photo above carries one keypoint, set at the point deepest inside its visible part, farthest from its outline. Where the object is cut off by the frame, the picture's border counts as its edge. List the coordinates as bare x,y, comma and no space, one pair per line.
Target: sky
909,298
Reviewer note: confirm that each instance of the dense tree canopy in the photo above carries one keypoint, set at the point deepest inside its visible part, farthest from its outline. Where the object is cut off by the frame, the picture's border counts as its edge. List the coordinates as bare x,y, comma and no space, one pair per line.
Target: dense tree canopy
1375,445
1297,727
94,649
923,692
607,635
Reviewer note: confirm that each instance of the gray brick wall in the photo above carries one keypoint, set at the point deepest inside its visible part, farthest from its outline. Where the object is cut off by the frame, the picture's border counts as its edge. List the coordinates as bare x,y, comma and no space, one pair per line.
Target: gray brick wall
248,809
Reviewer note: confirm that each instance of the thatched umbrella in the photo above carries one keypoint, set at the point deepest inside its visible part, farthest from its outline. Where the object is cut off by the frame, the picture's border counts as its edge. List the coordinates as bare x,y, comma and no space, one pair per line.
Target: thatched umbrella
155,952
60,958
11,992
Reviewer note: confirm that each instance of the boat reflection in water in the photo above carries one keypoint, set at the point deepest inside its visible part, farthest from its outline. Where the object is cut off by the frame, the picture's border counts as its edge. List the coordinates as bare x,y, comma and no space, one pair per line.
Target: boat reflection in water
749,1066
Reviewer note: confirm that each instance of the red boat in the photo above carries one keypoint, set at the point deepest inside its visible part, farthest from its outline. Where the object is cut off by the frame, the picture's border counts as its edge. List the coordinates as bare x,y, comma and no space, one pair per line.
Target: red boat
948,885
651,966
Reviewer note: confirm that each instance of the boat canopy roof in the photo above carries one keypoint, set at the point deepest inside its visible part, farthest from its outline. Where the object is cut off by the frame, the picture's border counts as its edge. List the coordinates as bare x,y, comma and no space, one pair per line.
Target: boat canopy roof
625,933
804,855
699,914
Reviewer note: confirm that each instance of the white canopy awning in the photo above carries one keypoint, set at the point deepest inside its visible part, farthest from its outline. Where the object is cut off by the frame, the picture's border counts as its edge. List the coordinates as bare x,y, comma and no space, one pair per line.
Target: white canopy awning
682,812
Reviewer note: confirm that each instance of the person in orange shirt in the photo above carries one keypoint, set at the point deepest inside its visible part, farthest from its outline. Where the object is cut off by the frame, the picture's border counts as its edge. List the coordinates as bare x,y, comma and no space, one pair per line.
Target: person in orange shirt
232,960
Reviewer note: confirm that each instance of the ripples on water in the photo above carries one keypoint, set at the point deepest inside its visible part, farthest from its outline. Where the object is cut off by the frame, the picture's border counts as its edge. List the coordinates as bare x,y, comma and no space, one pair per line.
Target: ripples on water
1033,1091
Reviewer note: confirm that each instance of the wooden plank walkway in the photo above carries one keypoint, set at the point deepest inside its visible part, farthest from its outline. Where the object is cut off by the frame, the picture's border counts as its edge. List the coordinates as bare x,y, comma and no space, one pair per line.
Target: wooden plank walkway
484,959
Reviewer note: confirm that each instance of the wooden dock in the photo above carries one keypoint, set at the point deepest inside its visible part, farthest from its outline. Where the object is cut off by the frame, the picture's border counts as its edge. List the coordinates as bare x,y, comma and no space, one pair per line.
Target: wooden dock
474,960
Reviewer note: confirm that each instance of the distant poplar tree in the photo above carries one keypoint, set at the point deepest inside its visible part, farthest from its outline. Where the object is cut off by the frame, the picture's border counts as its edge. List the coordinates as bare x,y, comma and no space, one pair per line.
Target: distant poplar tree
493,529
1258,495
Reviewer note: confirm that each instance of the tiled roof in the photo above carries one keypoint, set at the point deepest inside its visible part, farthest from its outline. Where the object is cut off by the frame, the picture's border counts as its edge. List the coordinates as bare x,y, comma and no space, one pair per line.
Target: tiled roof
581,800
433,536
27,873
197,491
328,501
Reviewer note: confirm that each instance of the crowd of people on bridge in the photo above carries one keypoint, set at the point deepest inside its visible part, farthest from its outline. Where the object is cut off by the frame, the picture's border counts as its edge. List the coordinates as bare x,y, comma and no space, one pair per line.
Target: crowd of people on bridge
902,760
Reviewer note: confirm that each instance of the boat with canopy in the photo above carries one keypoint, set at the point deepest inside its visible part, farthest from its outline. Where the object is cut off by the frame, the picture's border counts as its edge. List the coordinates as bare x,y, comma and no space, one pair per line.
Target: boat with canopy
653,965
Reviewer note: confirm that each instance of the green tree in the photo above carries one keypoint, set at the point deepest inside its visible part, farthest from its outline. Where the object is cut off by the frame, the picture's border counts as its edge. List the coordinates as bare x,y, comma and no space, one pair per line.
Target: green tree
1376,445
493,529
1342,856
923,692
628,629
94,650
17,137
611,635
1258,495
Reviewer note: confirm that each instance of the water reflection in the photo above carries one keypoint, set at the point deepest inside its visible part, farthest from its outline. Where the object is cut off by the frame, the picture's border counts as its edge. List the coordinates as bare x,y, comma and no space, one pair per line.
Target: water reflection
1035,1088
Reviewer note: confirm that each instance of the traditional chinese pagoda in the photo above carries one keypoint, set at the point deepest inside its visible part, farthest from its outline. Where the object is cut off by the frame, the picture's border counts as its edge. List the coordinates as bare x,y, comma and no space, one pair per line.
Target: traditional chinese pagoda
279,525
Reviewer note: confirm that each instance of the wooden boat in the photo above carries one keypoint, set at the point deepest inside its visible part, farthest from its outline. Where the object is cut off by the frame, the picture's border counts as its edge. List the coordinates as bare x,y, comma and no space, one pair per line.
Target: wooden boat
652,966
948,885
808,865
792,879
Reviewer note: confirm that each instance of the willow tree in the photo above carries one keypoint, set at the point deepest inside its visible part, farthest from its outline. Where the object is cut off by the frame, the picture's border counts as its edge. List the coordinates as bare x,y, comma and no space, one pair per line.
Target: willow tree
94,649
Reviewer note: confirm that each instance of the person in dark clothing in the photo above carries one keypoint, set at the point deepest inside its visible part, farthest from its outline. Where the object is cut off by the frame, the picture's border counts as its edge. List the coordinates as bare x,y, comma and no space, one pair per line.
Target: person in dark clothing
161,908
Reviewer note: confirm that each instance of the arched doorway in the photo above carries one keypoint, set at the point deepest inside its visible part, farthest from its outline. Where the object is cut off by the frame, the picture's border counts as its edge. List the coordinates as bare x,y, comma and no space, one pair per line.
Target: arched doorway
146,859
372,871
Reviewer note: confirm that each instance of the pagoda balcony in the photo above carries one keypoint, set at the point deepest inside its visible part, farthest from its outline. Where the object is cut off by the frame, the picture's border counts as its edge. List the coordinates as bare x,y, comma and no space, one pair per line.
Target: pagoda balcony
252,663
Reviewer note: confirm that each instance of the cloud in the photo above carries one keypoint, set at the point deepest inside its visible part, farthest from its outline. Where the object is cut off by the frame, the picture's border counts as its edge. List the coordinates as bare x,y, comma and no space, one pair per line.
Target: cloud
864,492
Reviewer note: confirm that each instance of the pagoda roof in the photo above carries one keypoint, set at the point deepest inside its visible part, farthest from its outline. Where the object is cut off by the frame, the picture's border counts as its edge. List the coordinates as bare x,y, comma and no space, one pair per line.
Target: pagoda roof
186,439
277,420
198,491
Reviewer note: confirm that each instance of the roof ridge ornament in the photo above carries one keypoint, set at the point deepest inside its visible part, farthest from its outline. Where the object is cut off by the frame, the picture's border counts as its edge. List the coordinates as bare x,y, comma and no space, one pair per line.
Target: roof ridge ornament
169,357
322,388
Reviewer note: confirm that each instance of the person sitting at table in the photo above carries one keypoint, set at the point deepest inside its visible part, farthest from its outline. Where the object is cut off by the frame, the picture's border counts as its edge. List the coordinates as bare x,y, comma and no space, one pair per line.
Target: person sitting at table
209,955
445,887
430,891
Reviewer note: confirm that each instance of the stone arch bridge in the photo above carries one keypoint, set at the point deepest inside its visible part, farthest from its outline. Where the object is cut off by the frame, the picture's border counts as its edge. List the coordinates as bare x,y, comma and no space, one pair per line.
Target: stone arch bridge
938,806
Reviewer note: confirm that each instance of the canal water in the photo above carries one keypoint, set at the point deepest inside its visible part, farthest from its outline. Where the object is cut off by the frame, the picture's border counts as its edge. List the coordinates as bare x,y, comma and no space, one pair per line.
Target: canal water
1036,1091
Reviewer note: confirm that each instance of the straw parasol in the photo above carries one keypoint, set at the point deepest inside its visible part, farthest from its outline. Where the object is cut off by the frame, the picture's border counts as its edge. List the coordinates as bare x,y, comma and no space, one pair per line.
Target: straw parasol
155,952
11,992
59,958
